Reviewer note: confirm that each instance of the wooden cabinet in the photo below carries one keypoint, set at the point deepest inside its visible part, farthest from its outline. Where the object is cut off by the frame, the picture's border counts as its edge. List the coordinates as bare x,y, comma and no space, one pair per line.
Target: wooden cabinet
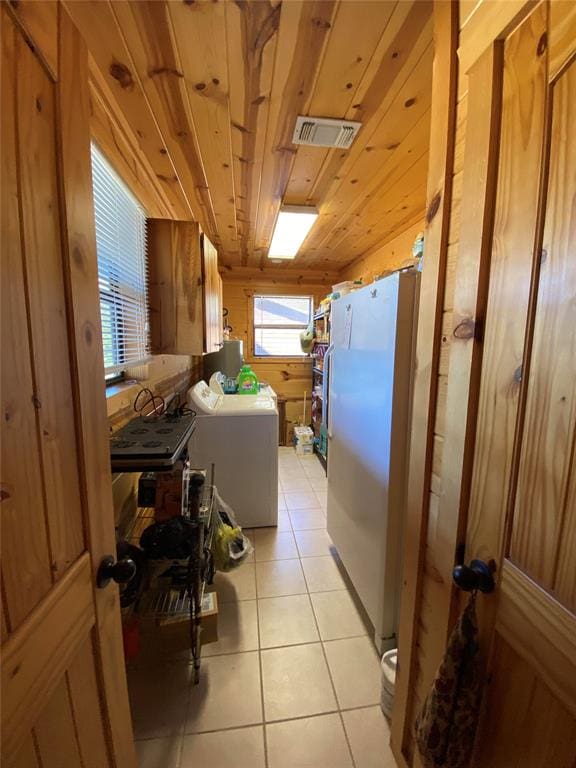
212,297
185,293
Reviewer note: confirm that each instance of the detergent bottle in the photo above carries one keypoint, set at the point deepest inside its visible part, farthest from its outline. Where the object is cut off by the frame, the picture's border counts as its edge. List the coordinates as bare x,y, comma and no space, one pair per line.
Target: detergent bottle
247,381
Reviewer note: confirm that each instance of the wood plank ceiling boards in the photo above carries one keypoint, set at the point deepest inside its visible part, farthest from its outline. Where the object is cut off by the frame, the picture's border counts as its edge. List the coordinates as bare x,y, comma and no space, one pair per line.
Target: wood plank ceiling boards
210,92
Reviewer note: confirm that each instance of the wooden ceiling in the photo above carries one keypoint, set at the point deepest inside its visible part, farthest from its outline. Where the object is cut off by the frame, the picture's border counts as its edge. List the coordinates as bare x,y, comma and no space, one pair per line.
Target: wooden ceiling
196,104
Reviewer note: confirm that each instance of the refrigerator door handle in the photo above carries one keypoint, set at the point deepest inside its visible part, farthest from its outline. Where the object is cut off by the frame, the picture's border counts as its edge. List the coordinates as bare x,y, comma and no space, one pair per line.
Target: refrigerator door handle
326,389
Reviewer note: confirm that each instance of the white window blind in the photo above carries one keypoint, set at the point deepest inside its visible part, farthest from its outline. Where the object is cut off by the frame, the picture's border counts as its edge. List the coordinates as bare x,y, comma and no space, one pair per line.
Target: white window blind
122,269
278,323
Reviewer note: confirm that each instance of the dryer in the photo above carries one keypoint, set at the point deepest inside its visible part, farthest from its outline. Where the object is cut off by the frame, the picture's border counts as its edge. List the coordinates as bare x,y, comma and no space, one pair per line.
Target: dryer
239,435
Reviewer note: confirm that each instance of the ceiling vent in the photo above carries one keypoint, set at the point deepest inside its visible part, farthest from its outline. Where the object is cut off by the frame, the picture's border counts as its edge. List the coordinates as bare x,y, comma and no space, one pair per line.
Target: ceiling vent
325,132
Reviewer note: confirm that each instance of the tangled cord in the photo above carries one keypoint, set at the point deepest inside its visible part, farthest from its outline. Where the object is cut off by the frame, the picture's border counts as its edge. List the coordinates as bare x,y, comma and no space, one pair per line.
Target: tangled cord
146,398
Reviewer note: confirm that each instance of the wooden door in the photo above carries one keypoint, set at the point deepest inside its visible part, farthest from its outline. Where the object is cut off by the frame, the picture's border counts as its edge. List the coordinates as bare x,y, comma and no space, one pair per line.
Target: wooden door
64,696
521,515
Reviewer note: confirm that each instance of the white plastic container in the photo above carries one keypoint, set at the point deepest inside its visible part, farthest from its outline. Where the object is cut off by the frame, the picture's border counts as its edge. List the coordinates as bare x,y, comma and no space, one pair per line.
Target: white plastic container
304,435
389,665
343,288
304,440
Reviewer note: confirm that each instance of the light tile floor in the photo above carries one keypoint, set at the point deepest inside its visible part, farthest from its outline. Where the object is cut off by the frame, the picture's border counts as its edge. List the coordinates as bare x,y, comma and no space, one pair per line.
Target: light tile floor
294,680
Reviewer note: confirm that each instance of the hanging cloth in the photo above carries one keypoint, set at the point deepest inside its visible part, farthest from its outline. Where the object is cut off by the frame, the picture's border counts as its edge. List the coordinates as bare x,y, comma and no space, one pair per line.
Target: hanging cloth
446,726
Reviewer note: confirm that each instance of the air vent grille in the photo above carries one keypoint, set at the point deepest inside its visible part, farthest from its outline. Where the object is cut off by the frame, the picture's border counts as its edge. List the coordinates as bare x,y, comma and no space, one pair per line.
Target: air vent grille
325,132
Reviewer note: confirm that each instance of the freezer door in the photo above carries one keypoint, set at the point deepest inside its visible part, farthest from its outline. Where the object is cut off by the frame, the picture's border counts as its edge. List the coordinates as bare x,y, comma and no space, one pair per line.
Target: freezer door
370,387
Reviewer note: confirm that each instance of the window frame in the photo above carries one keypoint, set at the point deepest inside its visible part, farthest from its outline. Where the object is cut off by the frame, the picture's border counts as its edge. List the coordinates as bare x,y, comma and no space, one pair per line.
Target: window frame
254,326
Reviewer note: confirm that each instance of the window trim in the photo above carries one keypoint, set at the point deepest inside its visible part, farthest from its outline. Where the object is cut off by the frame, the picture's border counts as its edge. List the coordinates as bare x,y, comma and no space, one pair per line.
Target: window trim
303,356
115,378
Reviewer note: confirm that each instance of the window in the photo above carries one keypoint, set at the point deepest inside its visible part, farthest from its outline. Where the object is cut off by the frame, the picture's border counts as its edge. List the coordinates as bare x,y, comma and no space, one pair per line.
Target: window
278,323
122,269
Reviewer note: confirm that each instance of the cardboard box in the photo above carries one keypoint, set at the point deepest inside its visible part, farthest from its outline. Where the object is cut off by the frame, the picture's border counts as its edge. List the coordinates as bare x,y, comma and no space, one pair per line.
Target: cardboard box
176,629
170,635
303,449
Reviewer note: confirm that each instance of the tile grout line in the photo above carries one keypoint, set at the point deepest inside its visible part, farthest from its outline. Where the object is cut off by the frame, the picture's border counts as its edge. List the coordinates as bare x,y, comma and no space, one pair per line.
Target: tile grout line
264,734
255,724
340,716
325,657
269,647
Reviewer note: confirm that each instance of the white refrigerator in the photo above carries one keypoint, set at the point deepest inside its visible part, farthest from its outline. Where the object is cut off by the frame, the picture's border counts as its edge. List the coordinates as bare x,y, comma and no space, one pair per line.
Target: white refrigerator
371,361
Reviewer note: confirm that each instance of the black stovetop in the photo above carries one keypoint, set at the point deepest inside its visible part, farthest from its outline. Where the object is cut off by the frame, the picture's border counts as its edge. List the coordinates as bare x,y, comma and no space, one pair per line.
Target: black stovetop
150,443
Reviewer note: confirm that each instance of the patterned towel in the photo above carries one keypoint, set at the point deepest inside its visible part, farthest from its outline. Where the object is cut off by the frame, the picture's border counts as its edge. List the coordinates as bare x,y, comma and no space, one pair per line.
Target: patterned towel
446,726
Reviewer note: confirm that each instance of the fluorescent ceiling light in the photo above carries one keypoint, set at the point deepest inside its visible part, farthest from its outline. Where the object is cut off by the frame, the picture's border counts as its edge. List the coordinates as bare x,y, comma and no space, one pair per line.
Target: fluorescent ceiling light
292,226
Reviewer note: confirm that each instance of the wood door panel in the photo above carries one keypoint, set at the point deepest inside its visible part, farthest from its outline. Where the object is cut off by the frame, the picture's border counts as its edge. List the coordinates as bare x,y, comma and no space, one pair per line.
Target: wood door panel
27,755
522,128
86,706
531,729
541,630
36,656
46,301
565,579
64,692
541,513
26,575
55,732
528,394
562,35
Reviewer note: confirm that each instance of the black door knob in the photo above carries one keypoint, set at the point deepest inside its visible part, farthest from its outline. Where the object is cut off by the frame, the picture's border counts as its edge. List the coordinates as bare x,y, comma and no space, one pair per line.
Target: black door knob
476,576
109,570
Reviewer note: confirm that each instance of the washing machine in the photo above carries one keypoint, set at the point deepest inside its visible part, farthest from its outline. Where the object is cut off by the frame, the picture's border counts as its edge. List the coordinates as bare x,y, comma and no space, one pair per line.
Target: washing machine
215,384
239,435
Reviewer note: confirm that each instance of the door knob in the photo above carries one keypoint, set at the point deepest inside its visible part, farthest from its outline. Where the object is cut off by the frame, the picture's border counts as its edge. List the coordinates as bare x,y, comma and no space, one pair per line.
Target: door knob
476,576
121,571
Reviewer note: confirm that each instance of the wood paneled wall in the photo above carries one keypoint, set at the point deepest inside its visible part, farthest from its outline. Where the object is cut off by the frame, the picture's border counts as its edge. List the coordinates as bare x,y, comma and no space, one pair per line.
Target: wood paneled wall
430,644
391,255
420,646
289,377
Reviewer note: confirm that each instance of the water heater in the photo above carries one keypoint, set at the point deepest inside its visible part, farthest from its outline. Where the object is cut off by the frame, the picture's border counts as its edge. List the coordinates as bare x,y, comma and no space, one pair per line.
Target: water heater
229,359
